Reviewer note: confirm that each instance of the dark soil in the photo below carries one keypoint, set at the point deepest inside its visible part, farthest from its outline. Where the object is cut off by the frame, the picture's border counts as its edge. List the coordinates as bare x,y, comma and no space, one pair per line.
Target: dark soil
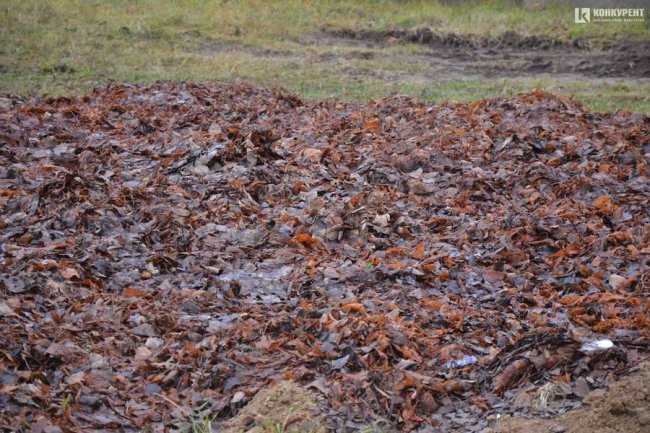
512,54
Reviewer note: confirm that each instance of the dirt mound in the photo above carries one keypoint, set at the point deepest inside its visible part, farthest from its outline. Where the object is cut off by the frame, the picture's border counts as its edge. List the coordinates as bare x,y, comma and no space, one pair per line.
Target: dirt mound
515,54
282,407
625,408
424,35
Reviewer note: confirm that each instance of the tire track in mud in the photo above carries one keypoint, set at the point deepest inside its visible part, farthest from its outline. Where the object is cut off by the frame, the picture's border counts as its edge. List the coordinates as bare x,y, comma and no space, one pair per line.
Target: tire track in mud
452,56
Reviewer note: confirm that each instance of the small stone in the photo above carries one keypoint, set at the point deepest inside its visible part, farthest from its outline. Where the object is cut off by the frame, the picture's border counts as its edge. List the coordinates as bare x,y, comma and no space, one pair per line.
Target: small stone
146,275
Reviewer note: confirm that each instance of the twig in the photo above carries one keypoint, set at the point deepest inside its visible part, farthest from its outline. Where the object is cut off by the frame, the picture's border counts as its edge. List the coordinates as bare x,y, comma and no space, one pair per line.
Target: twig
183,411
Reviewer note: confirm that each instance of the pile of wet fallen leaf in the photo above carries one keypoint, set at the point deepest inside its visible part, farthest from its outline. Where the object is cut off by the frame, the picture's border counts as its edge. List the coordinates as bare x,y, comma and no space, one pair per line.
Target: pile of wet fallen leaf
168,251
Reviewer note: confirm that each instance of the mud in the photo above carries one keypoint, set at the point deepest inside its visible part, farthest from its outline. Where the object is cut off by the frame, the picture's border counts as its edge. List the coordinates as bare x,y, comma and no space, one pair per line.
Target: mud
509,55
282,407
624,408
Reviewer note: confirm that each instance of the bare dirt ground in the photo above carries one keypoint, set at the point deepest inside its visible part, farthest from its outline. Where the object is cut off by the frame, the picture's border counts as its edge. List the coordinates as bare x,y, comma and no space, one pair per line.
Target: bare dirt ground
452,57
625,408
285,406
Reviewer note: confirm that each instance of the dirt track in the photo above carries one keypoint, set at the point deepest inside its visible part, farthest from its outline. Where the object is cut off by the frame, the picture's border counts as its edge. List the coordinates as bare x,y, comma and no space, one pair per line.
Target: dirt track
453,56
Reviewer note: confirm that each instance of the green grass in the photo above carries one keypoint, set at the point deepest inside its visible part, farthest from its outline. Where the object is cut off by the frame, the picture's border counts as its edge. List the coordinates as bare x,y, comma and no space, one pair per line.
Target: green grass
64,46
203,425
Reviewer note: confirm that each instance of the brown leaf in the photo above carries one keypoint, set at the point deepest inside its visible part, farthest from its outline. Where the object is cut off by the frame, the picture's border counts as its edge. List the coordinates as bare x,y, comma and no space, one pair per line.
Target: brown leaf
312,155
418,252
354,307
604,203
69,273
372,125
145,330
617,282
143,353
134,292
510,375
427,404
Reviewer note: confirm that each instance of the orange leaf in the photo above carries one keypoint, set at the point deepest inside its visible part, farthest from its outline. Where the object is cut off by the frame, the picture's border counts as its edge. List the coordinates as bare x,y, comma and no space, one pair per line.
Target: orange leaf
372,125
430,267
571,299
418,252
306,240
572,250
410,354
134,292
432,304
565,378
8,193
356,199
395,251
191,350
46,168
355,307
604,203
236,184
298,186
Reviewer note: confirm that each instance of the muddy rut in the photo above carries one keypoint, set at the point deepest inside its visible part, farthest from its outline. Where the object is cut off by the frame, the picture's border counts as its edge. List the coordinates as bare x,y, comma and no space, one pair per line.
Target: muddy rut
451,56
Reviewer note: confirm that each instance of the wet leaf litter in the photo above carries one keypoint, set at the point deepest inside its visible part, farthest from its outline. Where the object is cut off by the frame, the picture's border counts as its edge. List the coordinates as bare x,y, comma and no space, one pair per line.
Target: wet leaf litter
169,251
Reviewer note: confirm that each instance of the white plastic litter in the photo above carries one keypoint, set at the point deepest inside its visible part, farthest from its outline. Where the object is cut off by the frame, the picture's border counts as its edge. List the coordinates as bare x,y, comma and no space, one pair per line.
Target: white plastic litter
597,345
468,360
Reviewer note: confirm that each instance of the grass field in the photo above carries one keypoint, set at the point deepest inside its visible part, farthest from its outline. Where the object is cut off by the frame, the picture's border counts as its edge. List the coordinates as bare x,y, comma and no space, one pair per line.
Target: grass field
61,47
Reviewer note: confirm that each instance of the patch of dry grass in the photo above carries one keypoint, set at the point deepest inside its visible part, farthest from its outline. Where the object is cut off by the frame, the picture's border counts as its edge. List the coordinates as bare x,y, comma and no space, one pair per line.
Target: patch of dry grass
65,46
